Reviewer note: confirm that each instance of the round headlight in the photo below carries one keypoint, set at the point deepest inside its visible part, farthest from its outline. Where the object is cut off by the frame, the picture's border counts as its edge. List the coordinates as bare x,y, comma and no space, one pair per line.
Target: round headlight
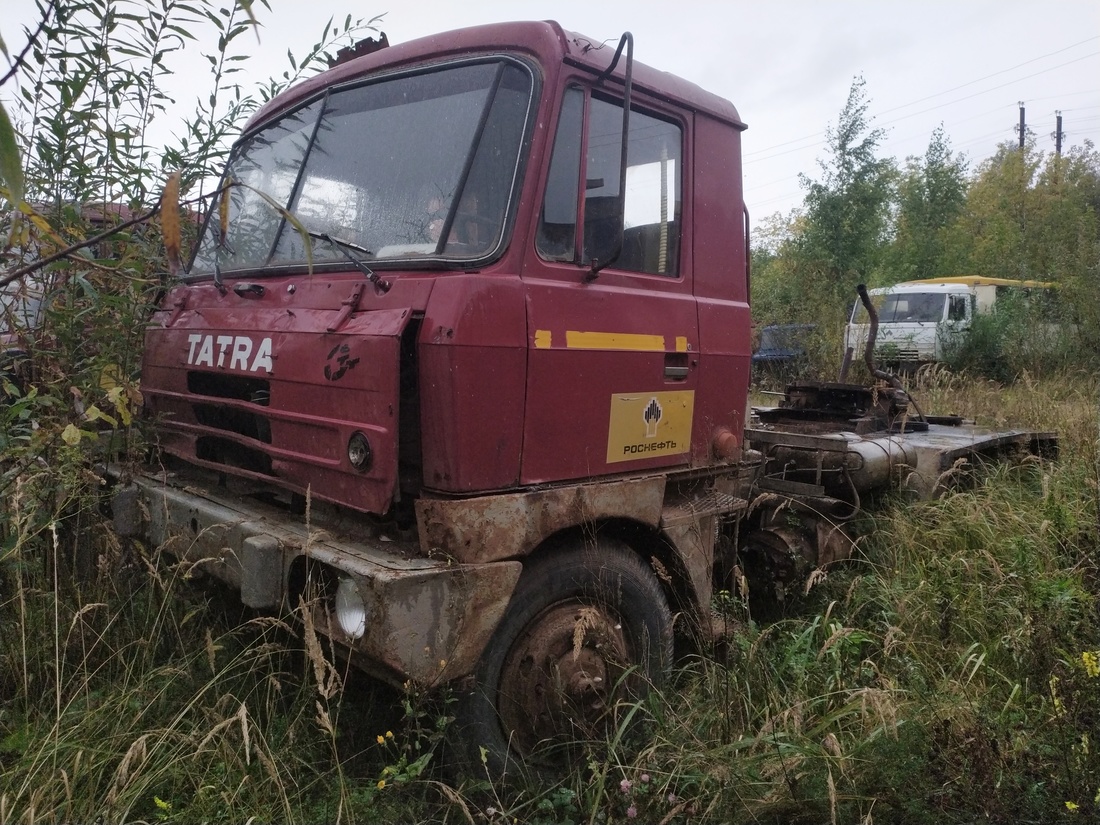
359,452
351,610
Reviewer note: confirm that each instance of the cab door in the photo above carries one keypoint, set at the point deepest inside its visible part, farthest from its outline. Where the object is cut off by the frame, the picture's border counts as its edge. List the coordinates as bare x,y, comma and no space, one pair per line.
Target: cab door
611,368
957,323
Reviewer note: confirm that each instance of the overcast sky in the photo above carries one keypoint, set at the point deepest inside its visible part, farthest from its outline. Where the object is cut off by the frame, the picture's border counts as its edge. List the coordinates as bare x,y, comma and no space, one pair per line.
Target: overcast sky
788,64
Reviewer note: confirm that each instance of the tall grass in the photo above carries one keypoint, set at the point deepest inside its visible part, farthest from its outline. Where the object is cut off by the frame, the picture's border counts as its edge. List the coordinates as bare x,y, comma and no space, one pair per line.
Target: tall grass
946,674
943,675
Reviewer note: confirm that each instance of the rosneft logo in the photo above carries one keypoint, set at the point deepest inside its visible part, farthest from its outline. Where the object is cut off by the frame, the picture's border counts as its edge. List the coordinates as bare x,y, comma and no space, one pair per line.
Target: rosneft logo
649,425
652,417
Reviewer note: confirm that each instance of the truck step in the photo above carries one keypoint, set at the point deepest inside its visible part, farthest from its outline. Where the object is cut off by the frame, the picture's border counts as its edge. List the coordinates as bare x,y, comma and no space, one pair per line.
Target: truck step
688,511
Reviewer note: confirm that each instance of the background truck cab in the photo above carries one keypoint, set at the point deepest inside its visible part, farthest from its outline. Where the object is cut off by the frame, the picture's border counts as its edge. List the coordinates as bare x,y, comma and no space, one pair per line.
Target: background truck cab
919,321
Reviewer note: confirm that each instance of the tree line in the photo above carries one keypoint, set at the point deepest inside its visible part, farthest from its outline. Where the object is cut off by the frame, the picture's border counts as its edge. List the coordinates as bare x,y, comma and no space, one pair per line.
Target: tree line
1020,213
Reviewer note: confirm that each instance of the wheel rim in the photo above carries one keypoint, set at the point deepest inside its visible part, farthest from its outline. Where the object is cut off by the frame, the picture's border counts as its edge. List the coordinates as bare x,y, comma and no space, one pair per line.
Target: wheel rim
561,679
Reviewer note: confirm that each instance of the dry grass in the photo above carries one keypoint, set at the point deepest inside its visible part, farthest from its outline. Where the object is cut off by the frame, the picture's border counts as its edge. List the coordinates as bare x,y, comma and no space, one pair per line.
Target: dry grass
945,659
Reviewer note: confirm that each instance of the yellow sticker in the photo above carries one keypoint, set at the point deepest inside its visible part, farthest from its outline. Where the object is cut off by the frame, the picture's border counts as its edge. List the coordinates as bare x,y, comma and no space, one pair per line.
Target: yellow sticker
649,425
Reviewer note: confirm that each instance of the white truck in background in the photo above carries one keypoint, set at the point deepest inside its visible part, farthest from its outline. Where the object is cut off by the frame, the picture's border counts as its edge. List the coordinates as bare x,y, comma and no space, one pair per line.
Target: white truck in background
920,320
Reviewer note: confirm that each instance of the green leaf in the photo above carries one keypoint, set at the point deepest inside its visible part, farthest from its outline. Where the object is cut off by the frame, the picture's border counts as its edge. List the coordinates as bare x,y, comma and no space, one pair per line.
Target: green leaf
11,168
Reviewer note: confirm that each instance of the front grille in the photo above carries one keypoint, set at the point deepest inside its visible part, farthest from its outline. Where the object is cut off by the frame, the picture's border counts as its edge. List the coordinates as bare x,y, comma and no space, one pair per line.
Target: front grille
241,422
239,388
232,419
231,454
891,352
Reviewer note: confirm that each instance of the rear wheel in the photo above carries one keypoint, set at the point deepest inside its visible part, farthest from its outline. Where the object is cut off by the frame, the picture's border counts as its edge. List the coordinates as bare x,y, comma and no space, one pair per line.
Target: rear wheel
588,632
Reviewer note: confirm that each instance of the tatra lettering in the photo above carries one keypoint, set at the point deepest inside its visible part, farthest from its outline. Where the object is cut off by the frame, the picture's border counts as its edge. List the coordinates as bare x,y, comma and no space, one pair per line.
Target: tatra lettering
206,352
263,357
236,349
224,343
242,348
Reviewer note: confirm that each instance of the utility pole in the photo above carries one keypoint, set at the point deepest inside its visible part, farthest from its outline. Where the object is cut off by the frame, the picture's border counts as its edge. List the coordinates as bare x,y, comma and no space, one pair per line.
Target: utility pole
1022,128
1058,134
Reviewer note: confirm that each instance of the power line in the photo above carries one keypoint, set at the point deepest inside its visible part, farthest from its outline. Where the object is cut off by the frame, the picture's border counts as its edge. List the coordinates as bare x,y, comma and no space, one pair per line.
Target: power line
1002,71
948,91
986,91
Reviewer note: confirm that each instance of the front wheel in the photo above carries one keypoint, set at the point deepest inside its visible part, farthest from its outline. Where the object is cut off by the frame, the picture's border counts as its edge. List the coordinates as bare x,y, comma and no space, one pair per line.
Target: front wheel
587,632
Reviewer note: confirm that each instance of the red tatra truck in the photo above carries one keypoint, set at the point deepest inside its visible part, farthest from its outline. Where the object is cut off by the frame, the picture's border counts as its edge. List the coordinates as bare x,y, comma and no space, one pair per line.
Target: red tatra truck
461,366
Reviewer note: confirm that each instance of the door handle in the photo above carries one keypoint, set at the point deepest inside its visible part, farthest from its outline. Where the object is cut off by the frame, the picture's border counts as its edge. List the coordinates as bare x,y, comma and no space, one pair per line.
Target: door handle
676,366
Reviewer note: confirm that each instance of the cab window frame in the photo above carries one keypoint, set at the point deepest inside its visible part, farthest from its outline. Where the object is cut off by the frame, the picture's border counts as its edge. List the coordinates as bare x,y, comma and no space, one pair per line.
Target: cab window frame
568,178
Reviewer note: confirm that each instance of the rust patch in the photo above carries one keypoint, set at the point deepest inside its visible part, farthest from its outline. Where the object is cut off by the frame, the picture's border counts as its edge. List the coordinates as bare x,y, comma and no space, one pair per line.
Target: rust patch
511,525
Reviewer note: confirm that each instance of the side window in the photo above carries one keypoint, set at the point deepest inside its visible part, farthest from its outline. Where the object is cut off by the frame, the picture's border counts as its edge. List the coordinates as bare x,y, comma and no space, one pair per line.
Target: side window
651,220
956,308
557,236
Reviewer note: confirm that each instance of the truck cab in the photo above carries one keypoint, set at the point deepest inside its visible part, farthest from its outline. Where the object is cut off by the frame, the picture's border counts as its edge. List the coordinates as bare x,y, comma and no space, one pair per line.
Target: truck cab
480,184
477,305
920,321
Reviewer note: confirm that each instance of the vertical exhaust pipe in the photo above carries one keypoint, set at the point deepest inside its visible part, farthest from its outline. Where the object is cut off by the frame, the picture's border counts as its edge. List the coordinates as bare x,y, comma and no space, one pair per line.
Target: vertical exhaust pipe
869,350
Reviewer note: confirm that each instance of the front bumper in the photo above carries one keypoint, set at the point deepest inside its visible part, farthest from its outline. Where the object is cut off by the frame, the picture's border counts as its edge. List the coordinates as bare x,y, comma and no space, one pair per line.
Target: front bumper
428,620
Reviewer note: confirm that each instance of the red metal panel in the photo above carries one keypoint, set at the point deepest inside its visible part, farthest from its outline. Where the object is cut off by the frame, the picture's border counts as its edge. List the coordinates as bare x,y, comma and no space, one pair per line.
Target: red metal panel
628,324
472,373
238,381
721,285
592,346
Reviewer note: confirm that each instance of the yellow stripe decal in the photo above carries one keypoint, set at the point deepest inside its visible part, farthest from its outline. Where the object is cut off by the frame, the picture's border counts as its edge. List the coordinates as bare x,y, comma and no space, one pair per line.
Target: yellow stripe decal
614,340
542,339
681,343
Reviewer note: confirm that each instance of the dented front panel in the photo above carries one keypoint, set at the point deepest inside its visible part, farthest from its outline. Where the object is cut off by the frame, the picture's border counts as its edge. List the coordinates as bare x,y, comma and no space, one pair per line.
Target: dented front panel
272,384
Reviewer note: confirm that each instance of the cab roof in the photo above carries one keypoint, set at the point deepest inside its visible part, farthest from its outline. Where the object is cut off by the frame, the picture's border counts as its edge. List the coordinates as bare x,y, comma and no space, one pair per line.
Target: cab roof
546,42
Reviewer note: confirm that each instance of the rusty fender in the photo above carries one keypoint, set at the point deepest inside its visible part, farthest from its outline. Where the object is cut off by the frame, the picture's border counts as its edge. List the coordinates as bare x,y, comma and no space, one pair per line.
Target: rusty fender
428,620
511,525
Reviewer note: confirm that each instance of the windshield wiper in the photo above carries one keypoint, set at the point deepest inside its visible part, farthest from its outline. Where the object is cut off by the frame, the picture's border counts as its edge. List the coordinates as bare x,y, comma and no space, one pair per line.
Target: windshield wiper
381,284
218,281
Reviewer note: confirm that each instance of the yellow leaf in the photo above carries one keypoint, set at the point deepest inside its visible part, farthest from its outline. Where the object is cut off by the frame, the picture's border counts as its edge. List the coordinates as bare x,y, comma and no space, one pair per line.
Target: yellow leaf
94,413
71,435
108,379
170,221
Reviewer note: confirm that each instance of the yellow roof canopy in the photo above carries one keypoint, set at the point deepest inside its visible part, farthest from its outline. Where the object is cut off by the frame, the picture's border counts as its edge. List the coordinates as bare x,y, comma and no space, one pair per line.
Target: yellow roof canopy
981,280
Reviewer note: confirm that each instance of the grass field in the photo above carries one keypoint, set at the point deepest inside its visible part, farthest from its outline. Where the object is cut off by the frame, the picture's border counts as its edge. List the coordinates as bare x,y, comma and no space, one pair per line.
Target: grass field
948,673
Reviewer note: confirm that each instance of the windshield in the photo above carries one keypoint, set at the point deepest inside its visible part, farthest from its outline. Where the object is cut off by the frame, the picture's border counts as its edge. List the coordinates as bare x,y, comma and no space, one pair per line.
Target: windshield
903,307
421,165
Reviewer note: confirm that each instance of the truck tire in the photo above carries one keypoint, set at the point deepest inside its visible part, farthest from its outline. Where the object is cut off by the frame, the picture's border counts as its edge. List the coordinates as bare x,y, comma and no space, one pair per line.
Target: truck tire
588,631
